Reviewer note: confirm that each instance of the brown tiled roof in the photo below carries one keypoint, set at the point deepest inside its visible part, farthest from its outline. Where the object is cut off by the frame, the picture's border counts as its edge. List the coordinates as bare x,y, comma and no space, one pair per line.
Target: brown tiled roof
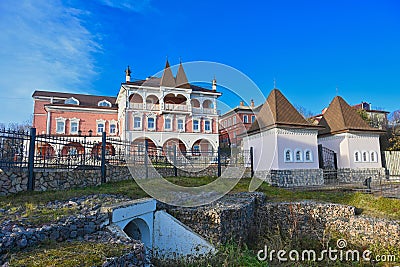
278,111
341,117
181,80
167,78
84,100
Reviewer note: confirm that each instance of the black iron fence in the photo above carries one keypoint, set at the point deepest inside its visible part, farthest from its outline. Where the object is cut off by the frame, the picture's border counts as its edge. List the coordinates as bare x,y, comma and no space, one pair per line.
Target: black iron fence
27,151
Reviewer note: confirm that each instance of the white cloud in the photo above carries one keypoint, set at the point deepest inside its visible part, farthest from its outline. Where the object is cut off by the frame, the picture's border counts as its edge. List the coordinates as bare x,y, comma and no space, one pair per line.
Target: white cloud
44,45
131,5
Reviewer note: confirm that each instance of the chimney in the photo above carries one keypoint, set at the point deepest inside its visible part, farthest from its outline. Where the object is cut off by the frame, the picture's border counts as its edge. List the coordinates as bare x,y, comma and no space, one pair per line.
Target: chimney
252,103
128,74
242,103
214,84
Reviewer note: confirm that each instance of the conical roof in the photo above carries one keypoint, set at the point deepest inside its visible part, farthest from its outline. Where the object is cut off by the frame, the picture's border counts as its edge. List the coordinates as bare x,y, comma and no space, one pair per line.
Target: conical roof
181,80
278,111
341,117
167,78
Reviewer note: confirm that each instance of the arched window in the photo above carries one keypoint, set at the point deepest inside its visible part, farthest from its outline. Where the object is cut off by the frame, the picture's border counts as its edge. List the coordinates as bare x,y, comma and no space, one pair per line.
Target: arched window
104,103
298,155
308,156
72,101
357,156
373,156
288,155
365,156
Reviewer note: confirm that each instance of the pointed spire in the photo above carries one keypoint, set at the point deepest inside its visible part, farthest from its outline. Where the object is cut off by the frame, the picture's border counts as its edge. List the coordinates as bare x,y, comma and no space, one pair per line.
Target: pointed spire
214,84
128,74
181,79
167,78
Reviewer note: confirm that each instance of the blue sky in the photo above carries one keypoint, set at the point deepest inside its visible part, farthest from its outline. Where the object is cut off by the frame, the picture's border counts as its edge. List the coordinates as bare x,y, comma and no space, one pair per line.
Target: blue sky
309,47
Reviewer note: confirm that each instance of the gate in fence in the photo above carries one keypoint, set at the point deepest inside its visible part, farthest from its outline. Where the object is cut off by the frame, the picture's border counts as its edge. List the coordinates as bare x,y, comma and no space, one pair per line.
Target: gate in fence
328,163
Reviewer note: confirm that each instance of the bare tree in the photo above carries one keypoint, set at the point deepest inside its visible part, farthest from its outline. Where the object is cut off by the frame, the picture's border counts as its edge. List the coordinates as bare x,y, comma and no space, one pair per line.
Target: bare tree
307,114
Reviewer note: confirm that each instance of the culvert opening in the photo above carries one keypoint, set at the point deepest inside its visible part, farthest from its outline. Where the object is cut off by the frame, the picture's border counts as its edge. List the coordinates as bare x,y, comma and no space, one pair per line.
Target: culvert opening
139,230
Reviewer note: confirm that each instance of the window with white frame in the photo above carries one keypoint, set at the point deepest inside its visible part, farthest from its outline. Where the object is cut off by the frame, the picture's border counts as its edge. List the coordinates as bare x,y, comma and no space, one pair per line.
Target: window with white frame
207,126
137,123
308,157
60,125
245,119
357,156
298,155
72,101
151,123
373,156
253,118
167,124
113,128
229,122
234,120
101,126
104,103
181,125
365,156
288,155
73,126
196,125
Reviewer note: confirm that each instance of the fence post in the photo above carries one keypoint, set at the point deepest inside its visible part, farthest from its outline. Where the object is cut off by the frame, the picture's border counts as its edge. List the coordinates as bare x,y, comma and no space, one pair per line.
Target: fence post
320,157
103,157
175,168
31,159
146,154
251,162
219,162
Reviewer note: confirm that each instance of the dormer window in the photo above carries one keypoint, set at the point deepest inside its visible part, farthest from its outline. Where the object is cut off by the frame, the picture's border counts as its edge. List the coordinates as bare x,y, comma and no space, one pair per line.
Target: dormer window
104,103
72,101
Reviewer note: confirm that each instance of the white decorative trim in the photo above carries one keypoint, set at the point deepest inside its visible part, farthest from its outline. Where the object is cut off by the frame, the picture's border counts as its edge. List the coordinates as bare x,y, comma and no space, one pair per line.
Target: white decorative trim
310,156
299,152
104,101
113,122
199,124
204,125
183,118
73,99
141,122
60,119
100,121
171,120
76,120
285,153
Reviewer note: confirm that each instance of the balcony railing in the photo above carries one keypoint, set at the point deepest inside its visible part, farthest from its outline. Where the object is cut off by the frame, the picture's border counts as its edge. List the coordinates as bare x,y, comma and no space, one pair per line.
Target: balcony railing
138,106
153,107
204,110
176,107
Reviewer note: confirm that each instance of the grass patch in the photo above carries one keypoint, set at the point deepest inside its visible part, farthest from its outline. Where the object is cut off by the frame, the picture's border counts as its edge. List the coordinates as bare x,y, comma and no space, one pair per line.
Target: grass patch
26,203
68,254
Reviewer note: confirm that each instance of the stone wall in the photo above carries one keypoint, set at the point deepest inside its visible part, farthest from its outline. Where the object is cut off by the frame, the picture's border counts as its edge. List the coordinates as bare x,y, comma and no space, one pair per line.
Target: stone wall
13,182
230,218
247,216
292,178
359,175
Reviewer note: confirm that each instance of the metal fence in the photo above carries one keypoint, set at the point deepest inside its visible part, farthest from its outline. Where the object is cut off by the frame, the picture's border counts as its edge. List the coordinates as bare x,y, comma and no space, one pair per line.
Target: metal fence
27,151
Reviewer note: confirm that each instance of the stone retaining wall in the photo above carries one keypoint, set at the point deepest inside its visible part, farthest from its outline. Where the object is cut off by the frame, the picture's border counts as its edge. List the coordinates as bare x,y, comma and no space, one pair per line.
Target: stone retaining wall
13,182
292,178
359,175
247,216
